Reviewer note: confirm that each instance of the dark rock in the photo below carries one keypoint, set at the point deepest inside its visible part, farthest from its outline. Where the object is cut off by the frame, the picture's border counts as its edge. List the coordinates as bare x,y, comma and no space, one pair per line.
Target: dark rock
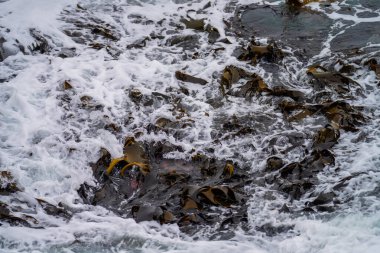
357,36
274,163
323,198
326,138
7,183
54,210
188,42
301,29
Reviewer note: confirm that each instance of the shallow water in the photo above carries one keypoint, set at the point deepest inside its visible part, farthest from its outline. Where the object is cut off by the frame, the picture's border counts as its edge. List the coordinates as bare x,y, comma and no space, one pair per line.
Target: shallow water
48,138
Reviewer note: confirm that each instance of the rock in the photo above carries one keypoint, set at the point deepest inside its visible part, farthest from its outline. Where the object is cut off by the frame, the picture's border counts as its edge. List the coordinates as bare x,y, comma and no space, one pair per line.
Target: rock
188,78
2,53
187,42
67,52
323,198
196,24
357,36
326,138
7,183
300,29
374,66
135,95
54,210
67,85
7,216
274,163
41,45
254,86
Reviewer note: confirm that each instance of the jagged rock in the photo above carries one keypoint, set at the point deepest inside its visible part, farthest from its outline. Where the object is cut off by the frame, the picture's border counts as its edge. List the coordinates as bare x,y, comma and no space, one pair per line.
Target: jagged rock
54,210
67,85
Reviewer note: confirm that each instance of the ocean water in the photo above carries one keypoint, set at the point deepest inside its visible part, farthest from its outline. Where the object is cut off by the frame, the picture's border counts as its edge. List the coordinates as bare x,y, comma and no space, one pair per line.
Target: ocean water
48,139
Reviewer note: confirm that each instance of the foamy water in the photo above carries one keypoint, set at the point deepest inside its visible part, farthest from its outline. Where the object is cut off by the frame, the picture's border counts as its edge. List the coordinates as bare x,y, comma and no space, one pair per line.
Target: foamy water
47,142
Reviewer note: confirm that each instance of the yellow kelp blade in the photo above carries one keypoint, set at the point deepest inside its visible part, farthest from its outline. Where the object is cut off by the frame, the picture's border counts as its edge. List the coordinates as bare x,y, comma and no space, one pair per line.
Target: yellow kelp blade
143,168
114,162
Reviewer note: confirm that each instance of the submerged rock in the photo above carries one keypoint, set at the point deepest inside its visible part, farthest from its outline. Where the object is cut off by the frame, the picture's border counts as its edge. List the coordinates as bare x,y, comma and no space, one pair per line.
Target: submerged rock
300,29
7,183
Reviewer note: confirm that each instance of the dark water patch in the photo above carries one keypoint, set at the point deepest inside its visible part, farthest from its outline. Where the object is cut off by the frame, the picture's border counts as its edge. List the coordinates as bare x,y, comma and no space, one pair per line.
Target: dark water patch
301,29
357,36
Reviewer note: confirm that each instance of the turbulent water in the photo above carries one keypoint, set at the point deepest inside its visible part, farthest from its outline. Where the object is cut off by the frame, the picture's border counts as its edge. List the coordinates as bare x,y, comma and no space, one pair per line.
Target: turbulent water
50,134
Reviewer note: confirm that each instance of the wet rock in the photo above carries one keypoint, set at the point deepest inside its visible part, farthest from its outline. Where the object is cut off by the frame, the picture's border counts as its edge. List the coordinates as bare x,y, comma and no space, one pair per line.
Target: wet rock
7,183
374,66
200,25
357,36
2,52
272,230
6,215
135,95
326,138
188,42
196,24
67,52
141,43
323,198
105,32
254,86
87,102
67,85
188,78
300,29
149,213
299,3
54,210
274,163
213,35
41,44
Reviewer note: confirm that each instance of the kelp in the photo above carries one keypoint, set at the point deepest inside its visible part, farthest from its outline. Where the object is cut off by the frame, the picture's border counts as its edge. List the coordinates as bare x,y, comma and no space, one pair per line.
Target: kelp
232,75
332,79
255,52
189,78
134,155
